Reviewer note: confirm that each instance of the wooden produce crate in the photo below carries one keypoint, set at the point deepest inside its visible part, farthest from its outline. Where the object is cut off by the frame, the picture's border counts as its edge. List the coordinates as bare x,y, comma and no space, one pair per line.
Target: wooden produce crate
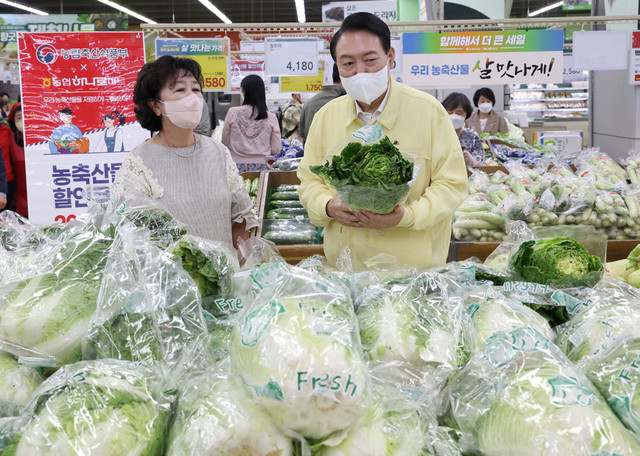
291,253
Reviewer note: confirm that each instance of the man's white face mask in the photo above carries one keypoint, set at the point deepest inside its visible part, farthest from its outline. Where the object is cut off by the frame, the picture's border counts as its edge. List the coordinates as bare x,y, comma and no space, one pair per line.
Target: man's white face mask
367,87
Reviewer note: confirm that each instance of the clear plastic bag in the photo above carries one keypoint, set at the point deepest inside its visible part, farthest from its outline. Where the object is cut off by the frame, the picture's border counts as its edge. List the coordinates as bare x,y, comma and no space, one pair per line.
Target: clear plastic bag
215,415
49,308
380,200
521,395
148,308
93,408
17,384
606,173
297,349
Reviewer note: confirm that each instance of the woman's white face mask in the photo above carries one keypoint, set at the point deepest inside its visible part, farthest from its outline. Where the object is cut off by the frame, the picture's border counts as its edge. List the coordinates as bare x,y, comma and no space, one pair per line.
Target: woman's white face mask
185,112
457,120
367,87
485,107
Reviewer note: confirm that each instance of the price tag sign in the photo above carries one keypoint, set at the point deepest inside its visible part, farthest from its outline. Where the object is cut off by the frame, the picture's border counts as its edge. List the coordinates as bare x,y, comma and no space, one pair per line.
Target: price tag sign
303,83
291,56
211,53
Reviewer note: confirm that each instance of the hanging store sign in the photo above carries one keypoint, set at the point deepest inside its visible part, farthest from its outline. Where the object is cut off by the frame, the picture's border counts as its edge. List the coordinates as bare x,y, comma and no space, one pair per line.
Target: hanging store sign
78,116
291,56
576,5
211,53
11,24
634,59
303,83
463,59
239,69
387,10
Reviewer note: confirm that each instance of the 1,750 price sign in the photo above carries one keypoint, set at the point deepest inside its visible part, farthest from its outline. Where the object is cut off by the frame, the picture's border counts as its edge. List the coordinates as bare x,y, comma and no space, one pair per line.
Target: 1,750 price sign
291,56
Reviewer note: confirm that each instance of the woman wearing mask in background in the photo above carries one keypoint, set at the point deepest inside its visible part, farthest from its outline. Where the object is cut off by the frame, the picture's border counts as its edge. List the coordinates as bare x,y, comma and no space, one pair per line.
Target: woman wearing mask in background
16,150
459,109
485,119
250,131
192,176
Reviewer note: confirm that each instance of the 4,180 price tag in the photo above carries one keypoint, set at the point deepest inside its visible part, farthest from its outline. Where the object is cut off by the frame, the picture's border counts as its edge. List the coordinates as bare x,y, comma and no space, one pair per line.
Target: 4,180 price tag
291,56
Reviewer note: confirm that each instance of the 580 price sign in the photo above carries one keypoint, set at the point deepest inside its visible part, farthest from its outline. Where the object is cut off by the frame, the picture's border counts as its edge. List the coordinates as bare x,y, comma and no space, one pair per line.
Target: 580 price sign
291,56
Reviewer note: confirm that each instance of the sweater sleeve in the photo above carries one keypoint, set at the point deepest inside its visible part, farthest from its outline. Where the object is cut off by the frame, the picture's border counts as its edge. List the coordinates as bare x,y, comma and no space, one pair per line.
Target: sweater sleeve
448,186
3,180
275,135
226,129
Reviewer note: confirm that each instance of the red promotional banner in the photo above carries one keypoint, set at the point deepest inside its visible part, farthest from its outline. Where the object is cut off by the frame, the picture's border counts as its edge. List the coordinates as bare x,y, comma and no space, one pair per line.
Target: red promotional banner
79,122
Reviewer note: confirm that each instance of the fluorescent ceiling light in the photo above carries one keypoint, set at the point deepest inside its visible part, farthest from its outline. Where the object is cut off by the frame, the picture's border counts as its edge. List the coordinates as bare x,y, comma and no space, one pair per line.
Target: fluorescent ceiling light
300,11
545,9
211,7
127,11
23,7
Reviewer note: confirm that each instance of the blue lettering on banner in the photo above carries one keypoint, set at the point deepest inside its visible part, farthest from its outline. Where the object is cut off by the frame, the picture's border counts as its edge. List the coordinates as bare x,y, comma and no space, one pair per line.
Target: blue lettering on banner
66,193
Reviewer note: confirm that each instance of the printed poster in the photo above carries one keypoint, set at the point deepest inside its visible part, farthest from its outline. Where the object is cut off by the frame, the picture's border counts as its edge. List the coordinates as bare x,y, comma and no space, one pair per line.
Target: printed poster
463,59
77,102
634,59
239,69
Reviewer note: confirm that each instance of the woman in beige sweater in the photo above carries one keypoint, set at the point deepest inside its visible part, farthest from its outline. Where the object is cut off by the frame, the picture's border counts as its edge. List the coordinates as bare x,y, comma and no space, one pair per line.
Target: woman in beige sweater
485,119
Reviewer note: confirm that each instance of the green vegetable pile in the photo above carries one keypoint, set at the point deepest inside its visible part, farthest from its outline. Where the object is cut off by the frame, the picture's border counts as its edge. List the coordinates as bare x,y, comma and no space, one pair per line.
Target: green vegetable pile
559,261
369,177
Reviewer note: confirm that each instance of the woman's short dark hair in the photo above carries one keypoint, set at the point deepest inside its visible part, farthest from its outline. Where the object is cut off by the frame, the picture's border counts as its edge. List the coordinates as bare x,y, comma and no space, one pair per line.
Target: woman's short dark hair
363,21
455,99
484,92
254,95
152,78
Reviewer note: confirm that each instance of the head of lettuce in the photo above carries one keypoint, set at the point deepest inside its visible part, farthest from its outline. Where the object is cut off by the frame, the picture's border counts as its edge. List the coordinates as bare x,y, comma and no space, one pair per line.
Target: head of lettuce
372,177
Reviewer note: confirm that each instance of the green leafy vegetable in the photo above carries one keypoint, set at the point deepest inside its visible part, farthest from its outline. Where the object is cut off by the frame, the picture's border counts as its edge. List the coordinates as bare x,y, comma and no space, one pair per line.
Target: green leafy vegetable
372,177
17,383
559,261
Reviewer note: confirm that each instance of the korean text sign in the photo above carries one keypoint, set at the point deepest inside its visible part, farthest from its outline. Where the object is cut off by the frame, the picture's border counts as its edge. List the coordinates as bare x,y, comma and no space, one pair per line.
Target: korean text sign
463,59
211,53
77,101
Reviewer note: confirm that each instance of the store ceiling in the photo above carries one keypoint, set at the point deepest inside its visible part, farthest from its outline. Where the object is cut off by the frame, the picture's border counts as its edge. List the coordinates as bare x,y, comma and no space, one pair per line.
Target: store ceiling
239,11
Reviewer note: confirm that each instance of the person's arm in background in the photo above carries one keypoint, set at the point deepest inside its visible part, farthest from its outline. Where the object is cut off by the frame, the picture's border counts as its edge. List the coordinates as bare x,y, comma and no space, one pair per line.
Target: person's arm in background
448,186
204,127
4,189
303,122
276,138
503,127
226,129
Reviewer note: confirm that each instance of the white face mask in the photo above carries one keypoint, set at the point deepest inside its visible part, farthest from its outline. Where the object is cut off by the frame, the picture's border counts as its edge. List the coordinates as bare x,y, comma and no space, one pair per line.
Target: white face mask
457,121
366,87
185,112
485,107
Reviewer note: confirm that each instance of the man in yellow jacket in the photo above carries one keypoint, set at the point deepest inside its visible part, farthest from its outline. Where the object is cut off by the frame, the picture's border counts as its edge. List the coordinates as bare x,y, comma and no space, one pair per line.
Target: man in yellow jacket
418,232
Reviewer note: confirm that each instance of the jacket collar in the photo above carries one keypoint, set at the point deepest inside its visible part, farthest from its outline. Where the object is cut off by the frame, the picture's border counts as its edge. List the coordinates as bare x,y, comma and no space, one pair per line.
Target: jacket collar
390,112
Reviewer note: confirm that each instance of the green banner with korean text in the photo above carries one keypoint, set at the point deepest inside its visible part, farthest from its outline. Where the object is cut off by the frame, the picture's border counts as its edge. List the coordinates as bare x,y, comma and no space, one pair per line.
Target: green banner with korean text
463,59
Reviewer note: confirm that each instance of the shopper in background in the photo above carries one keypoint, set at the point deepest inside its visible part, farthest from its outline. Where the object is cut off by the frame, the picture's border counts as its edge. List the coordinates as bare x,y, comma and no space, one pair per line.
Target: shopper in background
5,108
192,176
486,120
16,148
291,117
3,186
418,232
328,93
5,144
459,108
250,131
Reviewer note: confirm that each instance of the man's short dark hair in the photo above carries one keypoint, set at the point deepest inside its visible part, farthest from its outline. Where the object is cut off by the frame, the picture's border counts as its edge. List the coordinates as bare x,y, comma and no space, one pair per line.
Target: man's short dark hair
336,74
66,111
151,80
484,92
455,99
363,21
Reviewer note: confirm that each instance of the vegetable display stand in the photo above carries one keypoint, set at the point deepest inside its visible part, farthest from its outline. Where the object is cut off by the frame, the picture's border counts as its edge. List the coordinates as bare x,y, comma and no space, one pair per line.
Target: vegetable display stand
270,218
459,251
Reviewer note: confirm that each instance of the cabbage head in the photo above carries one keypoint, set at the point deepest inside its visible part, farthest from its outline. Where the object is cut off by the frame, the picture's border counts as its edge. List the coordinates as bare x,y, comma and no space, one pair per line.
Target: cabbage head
561,262
301,358
216,416
17,383
94,408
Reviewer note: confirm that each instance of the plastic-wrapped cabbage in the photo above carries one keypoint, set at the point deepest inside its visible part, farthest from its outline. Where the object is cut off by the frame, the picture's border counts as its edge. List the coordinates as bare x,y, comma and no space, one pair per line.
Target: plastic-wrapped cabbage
605,342
296,347
17,383
415,324
94,408
216,416
50,311
490,312
211,265
148,308
527,399
392,426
